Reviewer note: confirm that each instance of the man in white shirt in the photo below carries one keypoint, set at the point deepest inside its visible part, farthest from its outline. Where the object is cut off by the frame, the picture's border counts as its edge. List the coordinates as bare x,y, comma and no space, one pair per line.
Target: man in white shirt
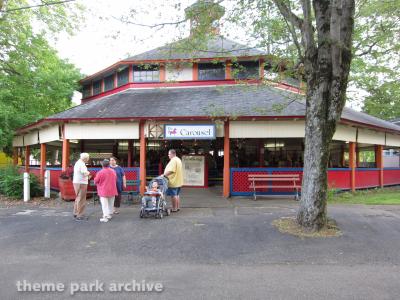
80,181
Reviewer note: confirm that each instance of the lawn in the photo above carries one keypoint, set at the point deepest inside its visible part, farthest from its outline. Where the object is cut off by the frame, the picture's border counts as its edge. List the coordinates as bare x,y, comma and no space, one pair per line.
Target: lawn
369,197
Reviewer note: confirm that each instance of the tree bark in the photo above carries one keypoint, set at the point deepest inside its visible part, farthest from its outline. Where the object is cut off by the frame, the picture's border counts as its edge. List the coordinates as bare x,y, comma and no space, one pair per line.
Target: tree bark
327,49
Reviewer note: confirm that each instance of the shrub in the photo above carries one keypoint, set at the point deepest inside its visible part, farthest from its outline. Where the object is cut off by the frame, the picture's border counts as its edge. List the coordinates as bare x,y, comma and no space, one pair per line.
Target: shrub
12,183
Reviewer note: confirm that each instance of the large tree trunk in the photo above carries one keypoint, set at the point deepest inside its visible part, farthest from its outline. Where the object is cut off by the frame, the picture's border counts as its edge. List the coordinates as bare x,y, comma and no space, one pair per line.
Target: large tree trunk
327,65
319,131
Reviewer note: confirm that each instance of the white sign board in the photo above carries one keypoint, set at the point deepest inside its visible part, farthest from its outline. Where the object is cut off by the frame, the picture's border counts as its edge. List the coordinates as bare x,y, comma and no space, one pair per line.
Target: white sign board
193,170
189,131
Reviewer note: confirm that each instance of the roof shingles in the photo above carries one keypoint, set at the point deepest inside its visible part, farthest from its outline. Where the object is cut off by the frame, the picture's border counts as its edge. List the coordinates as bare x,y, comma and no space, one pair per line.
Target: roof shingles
211,101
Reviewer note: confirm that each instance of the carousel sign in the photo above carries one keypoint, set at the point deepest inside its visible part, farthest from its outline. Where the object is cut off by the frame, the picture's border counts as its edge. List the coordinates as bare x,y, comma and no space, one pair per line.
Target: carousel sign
189,131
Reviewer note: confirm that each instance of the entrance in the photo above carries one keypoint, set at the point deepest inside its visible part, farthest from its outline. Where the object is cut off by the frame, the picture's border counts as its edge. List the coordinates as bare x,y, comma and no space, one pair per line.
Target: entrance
211,151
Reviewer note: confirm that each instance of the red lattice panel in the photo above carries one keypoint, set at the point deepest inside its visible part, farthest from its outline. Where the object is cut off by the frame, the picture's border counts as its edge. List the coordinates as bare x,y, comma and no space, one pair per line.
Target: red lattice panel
366,178
339,179
391,177
240,181
131,175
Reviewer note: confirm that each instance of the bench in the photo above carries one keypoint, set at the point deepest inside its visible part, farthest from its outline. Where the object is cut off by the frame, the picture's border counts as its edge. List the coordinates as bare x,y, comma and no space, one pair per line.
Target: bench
135,184
264,181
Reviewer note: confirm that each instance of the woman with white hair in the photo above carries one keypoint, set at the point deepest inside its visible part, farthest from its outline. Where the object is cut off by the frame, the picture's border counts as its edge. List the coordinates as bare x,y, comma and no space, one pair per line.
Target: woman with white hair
80,181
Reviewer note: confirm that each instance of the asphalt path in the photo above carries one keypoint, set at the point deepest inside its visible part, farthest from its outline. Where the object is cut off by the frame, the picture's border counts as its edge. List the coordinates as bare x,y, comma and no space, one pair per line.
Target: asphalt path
228,252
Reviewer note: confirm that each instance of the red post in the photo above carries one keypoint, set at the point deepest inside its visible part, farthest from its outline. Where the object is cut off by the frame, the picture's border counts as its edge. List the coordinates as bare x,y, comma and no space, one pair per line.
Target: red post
102,86
262,64
195,71
15,156
130,152
162,73
379,162
142,164
42,161
352,165
115,80
130,73
65,152
27,154
226,177
228,69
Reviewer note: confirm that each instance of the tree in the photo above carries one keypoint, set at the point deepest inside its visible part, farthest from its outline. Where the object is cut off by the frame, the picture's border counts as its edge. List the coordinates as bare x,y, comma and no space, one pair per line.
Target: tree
34,81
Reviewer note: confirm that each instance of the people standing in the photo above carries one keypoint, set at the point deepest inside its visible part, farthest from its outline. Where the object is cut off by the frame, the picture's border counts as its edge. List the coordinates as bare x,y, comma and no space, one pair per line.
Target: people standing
173,171
121,183
106,181
80,182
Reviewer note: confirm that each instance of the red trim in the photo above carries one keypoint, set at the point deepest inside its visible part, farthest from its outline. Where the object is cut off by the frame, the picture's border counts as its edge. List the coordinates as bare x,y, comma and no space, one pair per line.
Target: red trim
127,62
191,83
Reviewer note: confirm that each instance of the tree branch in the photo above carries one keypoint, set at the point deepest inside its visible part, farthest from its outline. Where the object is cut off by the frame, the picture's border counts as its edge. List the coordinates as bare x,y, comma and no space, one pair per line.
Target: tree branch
35,6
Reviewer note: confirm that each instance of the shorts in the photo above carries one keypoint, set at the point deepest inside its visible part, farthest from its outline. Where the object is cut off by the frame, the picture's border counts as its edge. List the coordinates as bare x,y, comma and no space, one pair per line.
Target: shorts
173,191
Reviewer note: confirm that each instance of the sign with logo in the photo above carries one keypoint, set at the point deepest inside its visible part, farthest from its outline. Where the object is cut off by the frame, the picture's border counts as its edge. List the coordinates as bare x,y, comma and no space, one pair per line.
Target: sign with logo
189,131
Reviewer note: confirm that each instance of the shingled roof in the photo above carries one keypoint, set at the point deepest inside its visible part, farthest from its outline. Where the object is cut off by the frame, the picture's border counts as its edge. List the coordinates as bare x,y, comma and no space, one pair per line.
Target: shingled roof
214,47
236,100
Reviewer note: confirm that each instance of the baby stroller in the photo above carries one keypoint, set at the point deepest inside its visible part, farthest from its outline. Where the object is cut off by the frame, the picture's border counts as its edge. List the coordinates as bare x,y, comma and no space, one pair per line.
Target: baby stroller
153,203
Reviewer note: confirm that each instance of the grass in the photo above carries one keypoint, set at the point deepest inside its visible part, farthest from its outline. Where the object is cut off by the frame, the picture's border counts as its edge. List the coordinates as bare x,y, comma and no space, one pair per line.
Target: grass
378,196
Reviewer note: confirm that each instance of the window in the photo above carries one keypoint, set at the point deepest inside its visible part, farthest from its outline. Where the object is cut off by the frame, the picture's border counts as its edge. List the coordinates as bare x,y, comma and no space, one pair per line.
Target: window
97,87
246,70
212,71
123,77
146,73
87,91
109,83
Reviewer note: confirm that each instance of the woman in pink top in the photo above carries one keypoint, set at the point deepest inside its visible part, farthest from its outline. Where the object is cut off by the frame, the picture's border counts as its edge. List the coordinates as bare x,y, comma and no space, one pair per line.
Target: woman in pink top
106,181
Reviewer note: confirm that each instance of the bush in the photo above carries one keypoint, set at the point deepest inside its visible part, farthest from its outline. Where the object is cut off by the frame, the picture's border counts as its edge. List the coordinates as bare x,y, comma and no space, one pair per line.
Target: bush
12,183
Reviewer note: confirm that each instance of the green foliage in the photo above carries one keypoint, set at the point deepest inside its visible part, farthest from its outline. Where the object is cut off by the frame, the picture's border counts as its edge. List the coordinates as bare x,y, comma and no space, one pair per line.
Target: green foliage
34,81
384,100
12,183
375,67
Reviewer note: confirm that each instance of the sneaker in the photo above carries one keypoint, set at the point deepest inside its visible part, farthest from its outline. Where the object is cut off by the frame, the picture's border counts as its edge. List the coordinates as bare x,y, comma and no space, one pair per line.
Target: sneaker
104,220
80,219
109,217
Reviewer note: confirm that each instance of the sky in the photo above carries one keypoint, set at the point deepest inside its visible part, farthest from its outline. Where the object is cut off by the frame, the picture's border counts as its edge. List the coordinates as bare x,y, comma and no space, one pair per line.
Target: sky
103,39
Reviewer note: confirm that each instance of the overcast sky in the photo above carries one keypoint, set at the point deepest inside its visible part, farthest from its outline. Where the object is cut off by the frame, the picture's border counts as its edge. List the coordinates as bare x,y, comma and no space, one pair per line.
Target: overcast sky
103,39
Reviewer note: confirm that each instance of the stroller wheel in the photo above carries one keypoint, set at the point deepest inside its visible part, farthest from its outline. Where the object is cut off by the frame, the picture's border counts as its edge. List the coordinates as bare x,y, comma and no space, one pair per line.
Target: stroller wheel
141,213
168,211
160,214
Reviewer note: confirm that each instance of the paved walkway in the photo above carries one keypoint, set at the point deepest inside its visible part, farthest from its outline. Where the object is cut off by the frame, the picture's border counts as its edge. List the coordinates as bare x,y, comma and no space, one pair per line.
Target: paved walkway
228,251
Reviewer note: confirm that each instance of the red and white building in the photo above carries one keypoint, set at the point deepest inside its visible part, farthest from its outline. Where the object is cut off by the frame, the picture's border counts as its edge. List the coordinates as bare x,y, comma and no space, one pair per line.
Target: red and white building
217,107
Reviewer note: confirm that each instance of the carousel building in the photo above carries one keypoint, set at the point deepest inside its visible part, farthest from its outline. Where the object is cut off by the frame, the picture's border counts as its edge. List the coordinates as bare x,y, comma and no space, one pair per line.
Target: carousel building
218,107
